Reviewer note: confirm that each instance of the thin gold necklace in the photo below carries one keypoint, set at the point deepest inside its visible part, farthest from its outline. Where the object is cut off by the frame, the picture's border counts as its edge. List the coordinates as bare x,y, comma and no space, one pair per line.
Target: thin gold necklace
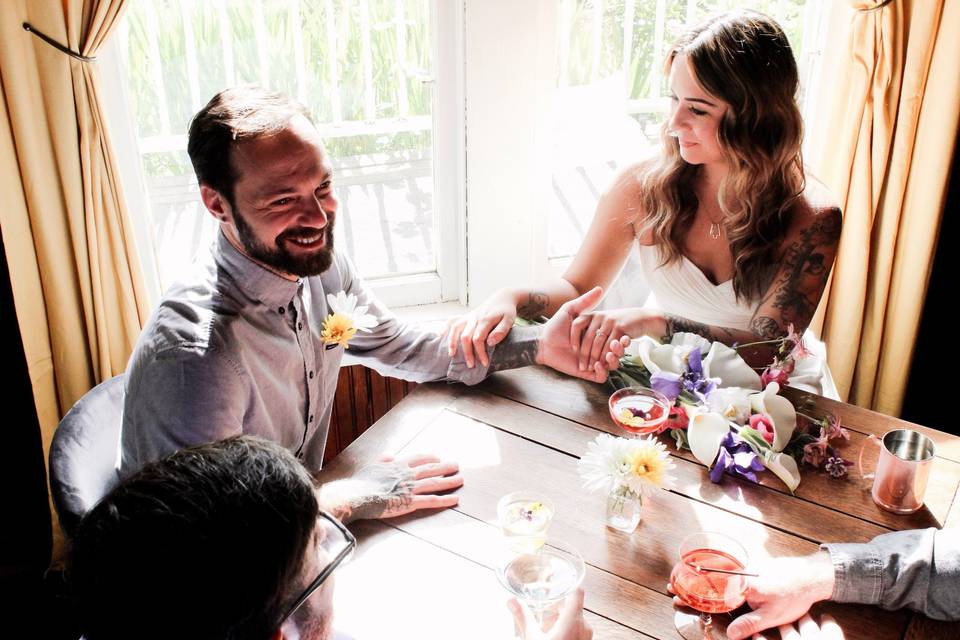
716,228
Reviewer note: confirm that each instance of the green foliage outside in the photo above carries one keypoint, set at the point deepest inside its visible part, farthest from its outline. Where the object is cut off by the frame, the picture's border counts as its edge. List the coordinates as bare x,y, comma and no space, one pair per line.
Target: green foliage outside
241,22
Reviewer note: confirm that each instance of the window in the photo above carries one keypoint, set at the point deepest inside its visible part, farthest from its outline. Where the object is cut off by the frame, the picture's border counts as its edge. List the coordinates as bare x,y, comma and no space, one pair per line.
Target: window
366,69
612,95
576,91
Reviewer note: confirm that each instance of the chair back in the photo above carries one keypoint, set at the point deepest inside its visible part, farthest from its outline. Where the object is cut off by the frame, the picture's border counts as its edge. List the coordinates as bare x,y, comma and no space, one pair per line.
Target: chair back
84,453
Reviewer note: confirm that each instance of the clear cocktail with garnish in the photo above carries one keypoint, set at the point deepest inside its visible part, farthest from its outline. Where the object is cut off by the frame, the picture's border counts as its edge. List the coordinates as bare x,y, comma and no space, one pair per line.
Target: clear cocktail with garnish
524,519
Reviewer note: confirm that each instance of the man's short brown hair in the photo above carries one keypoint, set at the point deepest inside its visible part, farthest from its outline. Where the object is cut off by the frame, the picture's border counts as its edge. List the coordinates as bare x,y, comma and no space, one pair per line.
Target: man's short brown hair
233,115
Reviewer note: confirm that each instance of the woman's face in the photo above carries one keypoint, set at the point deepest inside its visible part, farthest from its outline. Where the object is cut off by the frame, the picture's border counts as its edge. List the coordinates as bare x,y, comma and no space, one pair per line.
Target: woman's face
694,115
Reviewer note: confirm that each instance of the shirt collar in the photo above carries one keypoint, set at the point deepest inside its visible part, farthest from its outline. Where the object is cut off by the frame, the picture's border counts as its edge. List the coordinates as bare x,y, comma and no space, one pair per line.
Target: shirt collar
255,280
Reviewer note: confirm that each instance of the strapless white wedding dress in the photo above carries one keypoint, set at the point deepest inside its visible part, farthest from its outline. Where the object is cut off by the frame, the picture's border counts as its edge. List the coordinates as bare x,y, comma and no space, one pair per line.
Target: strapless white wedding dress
681,289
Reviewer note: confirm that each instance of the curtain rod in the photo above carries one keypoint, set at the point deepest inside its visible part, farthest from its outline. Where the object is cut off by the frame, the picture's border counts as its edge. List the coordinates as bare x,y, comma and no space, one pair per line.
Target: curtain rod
56,45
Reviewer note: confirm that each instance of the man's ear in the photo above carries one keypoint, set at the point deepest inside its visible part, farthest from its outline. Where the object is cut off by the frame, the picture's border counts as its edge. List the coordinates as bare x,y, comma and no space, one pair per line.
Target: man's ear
216,204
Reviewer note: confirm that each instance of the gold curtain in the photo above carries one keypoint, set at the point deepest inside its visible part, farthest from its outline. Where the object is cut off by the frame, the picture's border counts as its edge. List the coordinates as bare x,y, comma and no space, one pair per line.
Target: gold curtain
74,270
887,120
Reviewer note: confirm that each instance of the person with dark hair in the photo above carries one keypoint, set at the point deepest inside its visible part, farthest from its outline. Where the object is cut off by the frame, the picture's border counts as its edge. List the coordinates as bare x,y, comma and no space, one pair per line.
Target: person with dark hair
734,238
214,541
251,341
223,541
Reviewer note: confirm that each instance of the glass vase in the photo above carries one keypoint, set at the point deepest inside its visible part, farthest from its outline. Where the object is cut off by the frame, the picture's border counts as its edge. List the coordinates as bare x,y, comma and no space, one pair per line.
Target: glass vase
624,508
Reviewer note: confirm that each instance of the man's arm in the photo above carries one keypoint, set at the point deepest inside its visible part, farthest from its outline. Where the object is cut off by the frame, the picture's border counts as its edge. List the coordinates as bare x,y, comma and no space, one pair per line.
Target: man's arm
918,569
411,353
178,399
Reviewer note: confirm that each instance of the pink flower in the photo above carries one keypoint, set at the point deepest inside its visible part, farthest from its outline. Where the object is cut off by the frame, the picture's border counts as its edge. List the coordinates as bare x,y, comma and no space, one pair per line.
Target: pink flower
763,425
678,418
778,372
834,430
798,351
815,453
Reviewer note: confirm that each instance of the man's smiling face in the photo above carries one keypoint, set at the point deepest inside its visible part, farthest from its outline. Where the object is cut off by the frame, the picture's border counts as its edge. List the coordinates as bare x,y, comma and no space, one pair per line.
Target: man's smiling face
283,207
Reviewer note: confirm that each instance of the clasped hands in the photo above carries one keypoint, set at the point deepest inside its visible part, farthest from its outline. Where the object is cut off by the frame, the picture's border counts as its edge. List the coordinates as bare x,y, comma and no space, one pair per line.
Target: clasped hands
576,340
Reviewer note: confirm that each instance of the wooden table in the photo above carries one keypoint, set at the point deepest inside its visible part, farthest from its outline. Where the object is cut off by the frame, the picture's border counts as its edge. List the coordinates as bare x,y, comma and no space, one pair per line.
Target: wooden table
429,575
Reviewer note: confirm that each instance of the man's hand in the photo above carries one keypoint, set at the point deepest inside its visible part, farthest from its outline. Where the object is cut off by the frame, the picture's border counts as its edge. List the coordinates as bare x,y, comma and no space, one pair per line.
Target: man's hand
568,625
555,351
807,629
391,488
785,591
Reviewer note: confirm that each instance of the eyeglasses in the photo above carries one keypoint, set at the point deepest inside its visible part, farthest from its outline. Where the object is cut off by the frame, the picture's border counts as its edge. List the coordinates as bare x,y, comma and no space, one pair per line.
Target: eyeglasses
338,544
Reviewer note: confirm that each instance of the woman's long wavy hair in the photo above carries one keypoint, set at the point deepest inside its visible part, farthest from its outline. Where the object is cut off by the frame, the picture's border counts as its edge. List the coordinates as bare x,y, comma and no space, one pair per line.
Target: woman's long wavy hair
744,59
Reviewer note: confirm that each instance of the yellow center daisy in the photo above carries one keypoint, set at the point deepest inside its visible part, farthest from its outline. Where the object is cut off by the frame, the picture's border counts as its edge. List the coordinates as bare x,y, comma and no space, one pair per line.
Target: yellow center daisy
648,465
338,329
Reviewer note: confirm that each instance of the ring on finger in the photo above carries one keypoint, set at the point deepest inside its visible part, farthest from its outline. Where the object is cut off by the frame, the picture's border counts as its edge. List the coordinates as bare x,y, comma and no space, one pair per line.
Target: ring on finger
600,333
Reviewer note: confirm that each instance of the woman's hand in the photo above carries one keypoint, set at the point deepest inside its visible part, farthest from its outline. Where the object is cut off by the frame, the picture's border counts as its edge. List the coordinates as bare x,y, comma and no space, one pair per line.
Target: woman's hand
482,327
589,332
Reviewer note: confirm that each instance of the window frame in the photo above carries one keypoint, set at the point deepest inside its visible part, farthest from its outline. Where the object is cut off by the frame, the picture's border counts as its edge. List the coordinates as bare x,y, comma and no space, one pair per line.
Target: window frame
448,281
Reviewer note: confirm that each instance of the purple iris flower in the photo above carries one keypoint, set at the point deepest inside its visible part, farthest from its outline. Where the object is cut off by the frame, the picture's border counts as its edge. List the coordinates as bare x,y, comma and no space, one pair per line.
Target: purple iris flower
669,384
693,380
737,458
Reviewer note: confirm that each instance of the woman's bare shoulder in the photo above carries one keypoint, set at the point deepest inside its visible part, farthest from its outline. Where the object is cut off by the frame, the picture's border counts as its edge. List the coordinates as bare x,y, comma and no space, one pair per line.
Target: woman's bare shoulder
623,194
816,216
817,198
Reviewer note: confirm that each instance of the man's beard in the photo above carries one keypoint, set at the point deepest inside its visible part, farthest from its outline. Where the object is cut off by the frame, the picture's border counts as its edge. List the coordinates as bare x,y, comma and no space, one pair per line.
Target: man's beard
282,260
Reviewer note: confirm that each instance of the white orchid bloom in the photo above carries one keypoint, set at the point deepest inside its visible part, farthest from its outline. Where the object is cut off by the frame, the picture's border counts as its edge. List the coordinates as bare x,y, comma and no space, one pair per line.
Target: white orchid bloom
704,434
785,468
733,403
725,363
780,411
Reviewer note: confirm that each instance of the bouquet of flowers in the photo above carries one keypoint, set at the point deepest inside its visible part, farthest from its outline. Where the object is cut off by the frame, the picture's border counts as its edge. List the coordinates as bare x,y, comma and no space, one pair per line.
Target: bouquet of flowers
729,416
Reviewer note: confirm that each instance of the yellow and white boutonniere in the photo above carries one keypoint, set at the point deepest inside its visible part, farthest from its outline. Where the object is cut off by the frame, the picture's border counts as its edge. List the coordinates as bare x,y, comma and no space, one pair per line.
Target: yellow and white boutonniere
345,319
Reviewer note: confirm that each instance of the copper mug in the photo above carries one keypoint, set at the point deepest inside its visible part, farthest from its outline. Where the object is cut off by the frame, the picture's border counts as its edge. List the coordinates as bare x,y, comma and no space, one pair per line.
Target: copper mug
903,467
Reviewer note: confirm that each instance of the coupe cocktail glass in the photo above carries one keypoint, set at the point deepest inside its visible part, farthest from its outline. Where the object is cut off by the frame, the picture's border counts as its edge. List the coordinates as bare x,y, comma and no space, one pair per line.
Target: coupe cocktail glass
708,578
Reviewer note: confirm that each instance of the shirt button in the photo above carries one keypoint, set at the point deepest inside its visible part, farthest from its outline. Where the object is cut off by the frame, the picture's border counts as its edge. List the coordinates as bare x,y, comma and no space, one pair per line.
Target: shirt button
280,310
299,325
311,417
311,375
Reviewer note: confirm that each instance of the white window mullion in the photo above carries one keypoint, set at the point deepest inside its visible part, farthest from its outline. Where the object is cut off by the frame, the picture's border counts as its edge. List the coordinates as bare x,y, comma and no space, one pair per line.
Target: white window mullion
401,27
369,97
447,88
299,61
334,78
190,49
226,39
263,48
156,69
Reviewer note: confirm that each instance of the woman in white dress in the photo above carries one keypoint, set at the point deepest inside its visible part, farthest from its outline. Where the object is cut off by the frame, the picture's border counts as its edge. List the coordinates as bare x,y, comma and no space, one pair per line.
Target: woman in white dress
735,240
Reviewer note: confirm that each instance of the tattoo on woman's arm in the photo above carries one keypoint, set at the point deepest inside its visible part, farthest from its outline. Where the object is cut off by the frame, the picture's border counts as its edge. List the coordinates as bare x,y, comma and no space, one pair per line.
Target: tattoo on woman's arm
806,268
676,324
533,308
